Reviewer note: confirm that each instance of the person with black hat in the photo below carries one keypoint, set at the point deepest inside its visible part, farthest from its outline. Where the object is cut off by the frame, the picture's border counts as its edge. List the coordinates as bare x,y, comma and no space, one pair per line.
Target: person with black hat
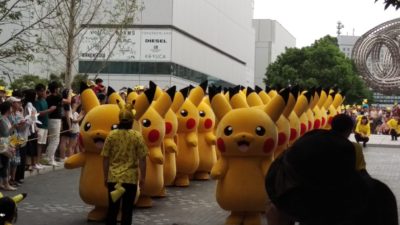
315,182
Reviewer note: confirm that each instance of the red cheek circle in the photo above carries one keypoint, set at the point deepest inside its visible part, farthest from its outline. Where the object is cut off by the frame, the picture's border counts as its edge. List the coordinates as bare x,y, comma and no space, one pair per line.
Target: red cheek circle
168,127
190,124
80,139
323,121
309,125
303,128
154,135
208,123
293,134
269,145
221,145
330,120
281,138
317,124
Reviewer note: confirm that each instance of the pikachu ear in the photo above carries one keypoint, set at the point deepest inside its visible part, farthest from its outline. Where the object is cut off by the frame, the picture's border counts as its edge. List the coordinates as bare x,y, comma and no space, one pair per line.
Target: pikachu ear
88,98
132,96
179,99
164,102
322,98
291,102
263,95
18,198
301,104
252,98
277,104
143,102
197,94
329,99
114,97
219,103
237,98
158,92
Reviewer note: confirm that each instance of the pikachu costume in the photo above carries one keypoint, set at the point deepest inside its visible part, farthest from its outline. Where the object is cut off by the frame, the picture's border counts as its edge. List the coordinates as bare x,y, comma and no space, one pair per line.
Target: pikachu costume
187,160
93,132
207,140
8,208
246,147
153,131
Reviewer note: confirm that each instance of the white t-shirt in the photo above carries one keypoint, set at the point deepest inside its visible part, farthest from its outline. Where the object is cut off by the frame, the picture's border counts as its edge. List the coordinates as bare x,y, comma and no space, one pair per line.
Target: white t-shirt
74,126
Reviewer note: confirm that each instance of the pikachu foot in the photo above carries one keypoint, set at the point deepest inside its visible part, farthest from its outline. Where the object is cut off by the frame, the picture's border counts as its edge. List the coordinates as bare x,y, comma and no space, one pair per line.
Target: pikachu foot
234,219
201,175
144,202
97,214
252,219
182,181
161,194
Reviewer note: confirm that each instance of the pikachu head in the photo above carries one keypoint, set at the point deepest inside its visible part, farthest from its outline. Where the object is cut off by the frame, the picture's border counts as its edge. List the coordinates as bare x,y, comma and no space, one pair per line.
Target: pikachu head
206,116
243,130
185,107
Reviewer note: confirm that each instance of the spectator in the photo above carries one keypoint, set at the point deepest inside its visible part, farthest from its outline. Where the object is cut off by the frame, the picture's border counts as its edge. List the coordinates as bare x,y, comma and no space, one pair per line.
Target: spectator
362,131
394,127
315,182
343,125
99,87
6,150
76,118
54,99
42,128
2,94
66,124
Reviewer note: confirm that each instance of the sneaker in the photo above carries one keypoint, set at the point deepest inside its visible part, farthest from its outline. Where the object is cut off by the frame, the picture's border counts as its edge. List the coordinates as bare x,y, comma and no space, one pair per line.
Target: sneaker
44,162
37,166
54,163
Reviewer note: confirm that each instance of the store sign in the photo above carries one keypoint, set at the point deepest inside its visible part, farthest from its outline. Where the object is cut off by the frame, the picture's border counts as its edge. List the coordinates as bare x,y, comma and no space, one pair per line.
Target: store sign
128,45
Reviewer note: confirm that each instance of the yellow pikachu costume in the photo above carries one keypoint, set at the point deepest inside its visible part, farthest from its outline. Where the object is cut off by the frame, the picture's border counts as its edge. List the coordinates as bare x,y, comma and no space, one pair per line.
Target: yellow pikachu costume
303,117
207,140
333,108
153,131
8,208
93,132
246,139
316,110
310,113
187,160
323,97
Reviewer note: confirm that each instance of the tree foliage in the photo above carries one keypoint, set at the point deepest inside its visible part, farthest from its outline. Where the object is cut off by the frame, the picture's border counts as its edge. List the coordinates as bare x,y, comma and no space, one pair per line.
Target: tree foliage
394,3
321,64
27,82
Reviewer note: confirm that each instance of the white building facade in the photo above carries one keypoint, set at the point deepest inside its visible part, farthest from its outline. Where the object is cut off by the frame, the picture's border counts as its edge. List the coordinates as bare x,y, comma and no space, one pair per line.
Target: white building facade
346,44
271,40
178,42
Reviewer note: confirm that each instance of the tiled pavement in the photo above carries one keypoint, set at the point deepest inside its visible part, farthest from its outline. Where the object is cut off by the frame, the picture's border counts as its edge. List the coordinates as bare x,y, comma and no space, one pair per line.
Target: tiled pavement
54,199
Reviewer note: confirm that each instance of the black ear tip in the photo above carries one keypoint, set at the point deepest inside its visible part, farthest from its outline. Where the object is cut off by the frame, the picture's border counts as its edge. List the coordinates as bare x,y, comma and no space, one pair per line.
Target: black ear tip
285,94
204,85
83,86
212,91
150,92
258,89
130,90
249,91
234,91
110,90
171,92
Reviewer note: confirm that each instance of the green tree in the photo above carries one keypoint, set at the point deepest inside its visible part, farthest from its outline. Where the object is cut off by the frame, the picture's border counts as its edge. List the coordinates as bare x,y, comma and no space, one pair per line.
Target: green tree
76,82
27,82
394,3
321,64
3,82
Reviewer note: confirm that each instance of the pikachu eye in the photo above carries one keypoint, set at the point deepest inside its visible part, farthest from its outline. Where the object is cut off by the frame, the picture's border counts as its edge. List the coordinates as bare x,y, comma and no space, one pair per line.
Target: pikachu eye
87,126
228,130
202,113
146,123
114,126
260,131
184,113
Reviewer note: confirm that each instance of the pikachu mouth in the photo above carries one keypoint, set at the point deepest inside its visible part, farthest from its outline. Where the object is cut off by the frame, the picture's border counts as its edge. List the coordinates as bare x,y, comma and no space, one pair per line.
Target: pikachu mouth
243,145
99,142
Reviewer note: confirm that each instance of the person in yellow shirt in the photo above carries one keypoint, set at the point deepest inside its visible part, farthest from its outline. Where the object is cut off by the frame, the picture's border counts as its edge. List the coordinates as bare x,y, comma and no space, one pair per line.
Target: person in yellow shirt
362,131
394,127
124,152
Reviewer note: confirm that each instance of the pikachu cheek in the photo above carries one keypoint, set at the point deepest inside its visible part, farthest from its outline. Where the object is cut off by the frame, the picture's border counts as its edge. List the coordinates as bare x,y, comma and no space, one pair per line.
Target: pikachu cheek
208,123
269,145
154,135
309,125
168,127
303,129
293,134
221,145
80,139
317,124
281,138
191,123
330,120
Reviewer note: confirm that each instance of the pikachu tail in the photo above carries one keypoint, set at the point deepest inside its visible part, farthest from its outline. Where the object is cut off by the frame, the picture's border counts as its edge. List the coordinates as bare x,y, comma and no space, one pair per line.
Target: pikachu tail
118,192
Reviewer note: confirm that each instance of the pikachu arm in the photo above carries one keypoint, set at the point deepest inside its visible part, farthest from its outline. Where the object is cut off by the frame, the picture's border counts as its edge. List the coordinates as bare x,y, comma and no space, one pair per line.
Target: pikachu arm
75,161
211,139
265,164
170,145
155,155
191,139
220,168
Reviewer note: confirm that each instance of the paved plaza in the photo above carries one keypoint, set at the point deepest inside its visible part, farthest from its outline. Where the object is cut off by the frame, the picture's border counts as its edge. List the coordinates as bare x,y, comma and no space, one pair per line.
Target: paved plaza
53,196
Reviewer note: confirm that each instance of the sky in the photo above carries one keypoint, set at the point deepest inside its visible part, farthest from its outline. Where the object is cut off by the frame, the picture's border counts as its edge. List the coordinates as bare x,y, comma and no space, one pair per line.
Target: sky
309,20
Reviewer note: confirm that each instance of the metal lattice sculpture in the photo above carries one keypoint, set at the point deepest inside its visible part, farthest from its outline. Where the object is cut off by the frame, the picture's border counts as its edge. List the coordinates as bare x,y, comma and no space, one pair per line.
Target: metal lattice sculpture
377,57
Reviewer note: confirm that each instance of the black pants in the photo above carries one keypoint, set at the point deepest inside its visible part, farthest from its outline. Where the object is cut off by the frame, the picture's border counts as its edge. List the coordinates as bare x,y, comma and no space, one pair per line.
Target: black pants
127,200
360,138
394,134
20,173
